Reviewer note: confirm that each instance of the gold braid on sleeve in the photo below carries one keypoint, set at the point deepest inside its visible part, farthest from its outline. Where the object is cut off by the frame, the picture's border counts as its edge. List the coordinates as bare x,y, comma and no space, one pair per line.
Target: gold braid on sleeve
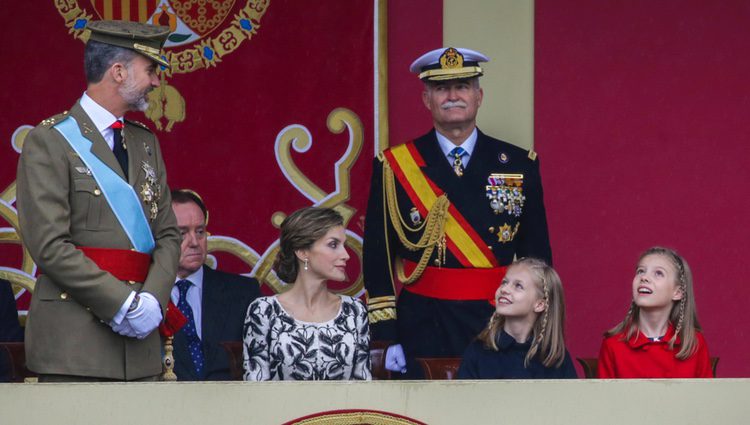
433,235
381,315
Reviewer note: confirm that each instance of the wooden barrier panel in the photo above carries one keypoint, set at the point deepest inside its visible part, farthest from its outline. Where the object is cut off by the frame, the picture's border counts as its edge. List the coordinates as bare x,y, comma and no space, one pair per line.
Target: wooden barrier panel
579,402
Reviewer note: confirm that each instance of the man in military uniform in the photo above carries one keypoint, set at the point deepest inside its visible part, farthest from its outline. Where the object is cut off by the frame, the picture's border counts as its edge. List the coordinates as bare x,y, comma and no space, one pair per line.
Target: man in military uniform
94,212
447,213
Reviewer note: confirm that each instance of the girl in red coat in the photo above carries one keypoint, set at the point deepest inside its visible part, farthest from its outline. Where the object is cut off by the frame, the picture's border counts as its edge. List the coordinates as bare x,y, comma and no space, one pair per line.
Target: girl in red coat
660,336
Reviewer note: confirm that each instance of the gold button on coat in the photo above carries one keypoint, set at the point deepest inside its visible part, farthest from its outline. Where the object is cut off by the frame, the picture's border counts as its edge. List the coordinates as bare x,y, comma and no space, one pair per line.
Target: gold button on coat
64,295
97,192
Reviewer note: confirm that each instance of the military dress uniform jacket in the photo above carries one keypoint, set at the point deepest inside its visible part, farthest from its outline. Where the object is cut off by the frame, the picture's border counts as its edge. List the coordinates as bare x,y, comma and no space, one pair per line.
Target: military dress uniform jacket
61,207
431,327
224,305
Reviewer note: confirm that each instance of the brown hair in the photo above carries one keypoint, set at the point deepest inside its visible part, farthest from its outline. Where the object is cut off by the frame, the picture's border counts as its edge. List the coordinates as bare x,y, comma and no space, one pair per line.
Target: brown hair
300,230
548,343
186,196
683,315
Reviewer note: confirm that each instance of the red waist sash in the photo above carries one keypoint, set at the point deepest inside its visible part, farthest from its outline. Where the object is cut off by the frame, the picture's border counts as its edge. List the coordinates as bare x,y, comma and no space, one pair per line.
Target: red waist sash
456,284
123,264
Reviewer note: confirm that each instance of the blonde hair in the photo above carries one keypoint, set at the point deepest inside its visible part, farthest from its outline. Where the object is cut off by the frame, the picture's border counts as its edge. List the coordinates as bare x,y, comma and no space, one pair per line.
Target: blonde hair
548,343
683,315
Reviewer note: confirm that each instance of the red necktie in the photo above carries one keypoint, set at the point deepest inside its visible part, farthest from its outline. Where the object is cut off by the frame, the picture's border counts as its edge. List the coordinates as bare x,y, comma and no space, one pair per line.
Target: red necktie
119,148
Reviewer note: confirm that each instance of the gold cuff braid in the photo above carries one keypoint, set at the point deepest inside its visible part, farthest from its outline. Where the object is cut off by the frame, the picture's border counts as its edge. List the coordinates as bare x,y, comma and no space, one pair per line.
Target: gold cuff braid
381,302
433,235
382,315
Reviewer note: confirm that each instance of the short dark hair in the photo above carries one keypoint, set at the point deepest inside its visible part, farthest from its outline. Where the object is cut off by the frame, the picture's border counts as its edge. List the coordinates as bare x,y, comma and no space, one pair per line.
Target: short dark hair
186,196
300,230
98,57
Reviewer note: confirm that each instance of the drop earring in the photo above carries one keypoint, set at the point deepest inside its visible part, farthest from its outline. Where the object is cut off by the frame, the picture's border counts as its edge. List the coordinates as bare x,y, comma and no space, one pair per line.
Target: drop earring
305,266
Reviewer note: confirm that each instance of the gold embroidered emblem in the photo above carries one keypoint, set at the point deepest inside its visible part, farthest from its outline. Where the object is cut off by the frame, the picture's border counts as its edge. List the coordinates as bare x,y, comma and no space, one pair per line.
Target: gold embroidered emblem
506,233
451,59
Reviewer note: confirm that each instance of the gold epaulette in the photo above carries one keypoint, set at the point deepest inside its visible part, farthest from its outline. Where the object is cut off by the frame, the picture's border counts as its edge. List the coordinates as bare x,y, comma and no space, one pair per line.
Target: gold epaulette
532,155
53,119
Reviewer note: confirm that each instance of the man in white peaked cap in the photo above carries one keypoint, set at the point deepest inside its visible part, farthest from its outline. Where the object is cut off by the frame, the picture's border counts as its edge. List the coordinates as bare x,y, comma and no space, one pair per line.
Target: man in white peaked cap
447,214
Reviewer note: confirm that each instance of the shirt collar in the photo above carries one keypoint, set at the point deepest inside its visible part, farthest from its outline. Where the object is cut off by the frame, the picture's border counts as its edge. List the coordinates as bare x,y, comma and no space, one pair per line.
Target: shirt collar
505,341
640,340
101,117
195,278
447,146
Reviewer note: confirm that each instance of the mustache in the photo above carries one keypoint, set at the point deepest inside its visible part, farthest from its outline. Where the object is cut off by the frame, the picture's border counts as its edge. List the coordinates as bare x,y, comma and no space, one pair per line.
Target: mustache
456,104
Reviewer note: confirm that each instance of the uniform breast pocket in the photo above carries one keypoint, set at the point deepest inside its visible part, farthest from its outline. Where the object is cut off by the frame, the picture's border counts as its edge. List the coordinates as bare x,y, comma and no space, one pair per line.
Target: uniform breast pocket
86,204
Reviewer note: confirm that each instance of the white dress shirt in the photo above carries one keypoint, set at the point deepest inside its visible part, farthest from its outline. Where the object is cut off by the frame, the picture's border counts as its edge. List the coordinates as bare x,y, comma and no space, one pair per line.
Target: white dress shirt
194,297
468,145
101,118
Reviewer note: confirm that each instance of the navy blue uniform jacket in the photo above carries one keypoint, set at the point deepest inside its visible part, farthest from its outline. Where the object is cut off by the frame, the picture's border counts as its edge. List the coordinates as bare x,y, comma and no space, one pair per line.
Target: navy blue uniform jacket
429,327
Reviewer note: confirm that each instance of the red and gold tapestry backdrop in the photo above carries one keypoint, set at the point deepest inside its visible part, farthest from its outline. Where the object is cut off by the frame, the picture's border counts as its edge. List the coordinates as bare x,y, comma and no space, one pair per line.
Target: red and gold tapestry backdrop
270,106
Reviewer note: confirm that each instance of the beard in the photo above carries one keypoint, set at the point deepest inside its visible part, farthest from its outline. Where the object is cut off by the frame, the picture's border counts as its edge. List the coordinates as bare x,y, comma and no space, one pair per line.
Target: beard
137,100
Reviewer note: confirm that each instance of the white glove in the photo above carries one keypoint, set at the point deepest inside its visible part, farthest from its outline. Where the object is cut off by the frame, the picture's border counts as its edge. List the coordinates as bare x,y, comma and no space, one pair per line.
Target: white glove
395,361
123,328
146,316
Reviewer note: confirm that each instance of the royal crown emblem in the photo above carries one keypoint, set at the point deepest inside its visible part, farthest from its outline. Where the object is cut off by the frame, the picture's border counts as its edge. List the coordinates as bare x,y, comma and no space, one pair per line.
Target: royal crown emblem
201,34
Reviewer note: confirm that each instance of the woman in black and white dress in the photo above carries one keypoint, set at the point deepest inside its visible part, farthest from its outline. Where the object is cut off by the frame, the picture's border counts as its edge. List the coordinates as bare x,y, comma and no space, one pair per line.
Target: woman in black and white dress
308,332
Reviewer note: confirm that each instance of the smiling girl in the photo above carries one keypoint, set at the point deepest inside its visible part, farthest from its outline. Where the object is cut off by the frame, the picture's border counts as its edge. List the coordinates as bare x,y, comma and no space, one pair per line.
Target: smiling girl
524,338
660,336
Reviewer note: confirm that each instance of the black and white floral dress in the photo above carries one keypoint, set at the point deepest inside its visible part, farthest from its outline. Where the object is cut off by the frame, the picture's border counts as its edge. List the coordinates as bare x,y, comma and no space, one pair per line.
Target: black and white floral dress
279,347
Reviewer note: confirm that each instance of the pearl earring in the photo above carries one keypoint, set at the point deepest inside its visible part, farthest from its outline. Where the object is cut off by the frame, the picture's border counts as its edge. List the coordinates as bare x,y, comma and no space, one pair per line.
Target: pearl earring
305,266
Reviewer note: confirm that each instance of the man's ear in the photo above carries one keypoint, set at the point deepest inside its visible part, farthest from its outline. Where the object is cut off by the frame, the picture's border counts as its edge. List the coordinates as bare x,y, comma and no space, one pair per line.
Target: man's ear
426,97
118,72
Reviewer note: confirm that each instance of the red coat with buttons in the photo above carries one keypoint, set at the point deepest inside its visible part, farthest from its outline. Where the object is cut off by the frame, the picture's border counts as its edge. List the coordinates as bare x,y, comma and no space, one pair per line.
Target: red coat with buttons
642,358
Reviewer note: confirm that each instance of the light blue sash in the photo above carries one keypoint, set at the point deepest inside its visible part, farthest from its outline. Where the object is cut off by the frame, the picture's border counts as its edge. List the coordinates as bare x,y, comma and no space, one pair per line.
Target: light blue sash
120,196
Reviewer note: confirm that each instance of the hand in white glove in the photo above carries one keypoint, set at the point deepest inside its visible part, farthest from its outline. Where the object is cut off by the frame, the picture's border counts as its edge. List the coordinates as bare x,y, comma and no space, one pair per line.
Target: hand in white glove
123,328
395,361
146,316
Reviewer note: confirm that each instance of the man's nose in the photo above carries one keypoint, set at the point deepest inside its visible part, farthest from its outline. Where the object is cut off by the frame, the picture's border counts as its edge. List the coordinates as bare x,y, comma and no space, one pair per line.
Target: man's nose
191,238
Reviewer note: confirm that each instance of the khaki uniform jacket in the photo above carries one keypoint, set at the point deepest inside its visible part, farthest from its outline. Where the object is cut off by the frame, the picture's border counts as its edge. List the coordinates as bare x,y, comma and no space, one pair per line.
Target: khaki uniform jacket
61,207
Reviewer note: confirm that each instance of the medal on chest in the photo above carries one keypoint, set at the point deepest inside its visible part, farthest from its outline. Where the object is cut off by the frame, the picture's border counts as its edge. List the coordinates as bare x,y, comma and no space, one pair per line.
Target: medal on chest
150,190
505,192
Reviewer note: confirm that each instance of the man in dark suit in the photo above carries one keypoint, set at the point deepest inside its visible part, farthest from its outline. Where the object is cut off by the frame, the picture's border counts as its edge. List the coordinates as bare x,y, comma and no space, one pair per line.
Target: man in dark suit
214,302
94,213
447,213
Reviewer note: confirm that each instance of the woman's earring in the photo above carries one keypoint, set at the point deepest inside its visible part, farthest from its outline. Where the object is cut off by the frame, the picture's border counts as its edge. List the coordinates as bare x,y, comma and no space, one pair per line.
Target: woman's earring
305,266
